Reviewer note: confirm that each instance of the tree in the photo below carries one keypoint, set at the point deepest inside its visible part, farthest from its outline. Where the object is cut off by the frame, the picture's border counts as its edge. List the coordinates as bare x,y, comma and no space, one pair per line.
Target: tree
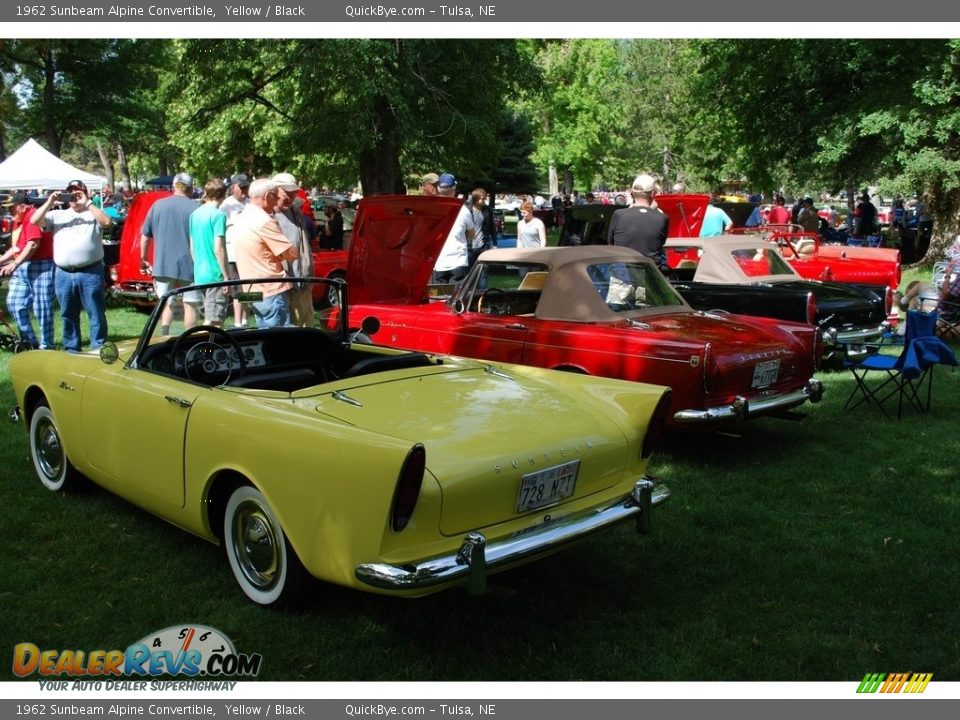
840,114
515,170
377,110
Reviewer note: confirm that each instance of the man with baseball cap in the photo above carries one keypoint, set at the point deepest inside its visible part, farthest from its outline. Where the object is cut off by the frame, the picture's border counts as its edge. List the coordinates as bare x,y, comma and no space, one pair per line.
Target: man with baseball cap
29,263
78,256
453,261
641,227
236,201
428,185
167,226
238,198
291,222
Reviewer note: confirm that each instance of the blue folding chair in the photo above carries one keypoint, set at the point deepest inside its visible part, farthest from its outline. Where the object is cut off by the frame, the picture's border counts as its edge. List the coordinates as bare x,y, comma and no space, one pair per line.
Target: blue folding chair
902,376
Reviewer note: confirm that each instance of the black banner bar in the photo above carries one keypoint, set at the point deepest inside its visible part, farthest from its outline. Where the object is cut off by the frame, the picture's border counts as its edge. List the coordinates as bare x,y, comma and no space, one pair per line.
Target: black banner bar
870,19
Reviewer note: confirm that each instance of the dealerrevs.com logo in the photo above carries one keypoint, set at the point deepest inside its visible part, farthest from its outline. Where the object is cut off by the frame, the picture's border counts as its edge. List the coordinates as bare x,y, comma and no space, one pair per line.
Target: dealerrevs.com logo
190,650
895,682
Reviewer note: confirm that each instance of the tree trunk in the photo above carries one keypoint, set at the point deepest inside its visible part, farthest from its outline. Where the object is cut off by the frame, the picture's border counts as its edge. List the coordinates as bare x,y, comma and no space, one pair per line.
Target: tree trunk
568,181
124,168
49,99
945,208
107,164
380,165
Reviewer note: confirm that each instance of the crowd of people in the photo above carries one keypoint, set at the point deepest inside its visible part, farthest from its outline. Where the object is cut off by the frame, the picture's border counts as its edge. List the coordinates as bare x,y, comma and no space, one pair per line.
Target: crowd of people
263,228
266,228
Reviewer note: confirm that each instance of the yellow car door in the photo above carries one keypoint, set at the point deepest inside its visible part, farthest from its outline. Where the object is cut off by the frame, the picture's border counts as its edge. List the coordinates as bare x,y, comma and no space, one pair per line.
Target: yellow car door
134,424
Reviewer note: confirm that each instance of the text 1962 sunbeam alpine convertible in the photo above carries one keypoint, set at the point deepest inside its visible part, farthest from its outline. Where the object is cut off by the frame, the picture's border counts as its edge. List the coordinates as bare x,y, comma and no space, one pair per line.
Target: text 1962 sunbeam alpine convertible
300,452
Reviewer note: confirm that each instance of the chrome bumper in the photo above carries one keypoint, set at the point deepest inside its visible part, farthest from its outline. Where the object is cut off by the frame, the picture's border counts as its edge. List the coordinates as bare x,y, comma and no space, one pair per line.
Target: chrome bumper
132,295
744,409
833,338
476,556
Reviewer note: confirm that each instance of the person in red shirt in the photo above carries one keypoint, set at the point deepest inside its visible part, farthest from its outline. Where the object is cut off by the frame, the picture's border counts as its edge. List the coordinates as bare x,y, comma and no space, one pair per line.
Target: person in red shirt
779,214
29,263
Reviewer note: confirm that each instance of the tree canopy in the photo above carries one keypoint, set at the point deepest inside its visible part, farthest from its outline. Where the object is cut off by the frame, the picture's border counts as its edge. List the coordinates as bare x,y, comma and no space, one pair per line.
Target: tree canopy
801,114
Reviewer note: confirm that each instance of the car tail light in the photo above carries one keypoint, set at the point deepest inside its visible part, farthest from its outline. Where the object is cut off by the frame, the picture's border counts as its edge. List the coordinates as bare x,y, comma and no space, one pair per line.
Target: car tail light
114,274
811,309
899,274
408,487
888,301
655,428
817,348
707,364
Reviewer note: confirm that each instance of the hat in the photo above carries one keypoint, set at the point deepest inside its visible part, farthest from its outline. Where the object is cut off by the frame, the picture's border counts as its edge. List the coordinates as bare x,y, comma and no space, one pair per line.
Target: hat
286,181
20,198
240,179
430,179
808,199
446,180
183,179
77,185
644,183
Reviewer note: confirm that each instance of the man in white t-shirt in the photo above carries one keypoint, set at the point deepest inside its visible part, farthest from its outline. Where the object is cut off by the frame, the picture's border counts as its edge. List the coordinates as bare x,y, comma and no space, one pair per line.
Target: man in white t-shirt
78,255
234,204
453,261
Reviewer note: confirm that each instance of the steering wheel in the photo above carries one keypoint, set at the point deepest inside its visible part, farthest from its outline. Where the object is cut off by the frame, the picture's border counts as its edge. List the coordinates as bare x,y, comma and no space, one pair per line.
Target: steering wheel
208,360
483,297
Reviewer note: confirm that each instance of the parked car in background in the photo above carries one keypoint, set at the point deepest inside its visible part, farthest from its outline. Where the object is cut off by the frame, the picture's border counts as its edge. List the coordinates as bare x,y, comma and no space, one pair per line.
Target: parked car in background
6,227
302,453
816,260
746,275
603,311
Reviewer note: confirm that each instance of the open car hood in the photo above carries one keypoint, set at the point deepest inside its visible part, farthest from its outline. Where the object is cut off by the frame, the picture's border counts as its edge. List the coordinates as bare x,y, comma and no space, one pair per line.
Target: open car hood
130,237
395,243
685,212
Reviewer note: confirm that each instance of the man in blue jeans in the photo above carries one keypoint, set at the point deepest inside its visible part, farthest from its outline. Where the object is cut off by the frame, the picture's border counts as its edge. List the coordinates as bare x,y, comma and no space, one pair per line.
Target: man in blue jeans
78,255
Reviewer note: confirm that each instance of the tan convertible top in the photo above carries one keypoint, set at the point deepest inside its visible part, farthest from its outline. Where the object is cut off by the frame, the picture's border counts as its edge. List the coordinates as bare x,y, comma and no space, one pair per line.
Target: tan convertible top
570,294
718,262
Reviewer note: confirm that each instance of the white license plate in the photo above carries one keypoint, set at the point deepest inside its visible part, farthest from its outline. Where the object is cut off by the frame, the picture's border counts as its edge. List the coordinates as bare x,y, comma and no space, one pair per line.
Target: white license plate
546,487
765,373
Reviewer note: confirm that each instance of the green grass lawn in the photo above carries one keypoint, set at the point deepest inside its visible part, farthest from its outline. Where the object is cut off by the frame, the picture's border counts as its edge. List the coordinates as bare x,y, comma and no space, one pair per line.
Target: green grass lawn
814,550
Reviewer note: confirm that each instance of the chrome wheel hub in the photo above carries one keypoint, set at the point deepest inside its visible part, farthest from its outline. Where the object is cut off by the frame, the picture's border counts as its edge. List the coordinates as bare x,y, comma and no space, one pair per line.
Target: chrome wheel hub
256,545
49,450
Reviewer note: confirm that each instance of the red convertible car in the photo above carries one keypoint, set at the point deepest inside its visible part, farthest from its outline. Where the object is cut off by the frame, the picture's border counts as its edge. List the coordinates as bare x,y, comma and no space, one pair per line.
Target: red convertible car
598,310
130,284
815,260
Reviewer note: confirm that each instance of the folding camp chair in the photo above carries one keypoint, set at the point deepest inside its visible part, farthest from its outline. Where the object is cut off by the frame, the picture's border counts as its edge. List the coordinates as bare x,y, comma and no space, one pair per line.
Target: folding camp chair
948,320
902,376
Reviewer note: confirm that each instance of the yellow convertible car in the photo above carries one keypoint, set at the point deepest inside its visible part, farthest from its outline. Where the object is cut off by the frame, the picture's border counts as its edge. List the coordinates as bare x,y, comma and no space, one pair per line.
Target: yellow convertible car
303,453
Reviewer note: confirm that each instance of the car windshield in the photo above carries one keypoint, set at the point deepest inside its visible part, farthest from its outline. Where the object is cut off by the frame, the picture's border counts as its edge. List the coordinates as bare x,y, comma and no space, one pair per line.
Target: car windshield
255,303
761,262
626,287
502,288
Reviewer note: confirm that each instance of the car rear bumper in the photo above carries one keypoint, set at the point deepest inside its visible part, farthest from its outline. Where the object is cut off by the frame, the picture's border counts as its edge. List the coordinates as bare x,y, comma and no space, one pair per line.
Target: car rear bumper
142,295
477,556
855,337
744,409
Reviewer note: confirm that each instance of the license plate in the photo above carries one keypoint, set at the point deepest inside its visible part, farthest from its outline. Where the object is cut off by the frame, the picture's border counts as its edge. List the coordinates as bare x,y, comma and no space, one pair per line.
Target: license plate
546,487
765,373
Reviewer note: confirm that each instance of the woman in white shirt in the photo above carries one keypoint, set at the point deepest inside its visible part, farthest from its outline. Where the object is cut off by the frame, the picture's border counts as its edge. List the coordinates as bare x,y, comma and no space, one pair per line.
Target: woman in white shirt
531,232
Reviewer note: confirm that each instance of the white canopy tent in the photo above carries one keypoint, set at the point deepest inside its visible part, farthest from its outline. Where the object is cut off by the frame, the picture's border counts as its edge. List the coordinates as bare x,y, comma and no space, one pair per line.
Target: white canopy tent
33,168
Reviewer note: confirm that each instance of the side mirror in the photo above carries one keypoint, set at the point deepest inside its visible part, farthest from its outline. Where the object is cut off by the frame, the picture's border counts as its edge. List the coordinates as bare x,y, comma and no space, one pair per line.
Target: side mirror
109,353
370,325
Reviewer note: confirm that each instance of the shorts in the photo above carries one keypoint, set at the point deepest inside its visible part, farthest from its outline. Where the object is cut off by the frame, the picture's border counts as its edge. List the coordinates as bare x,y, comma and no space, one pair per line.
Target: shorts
215,304
163,285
